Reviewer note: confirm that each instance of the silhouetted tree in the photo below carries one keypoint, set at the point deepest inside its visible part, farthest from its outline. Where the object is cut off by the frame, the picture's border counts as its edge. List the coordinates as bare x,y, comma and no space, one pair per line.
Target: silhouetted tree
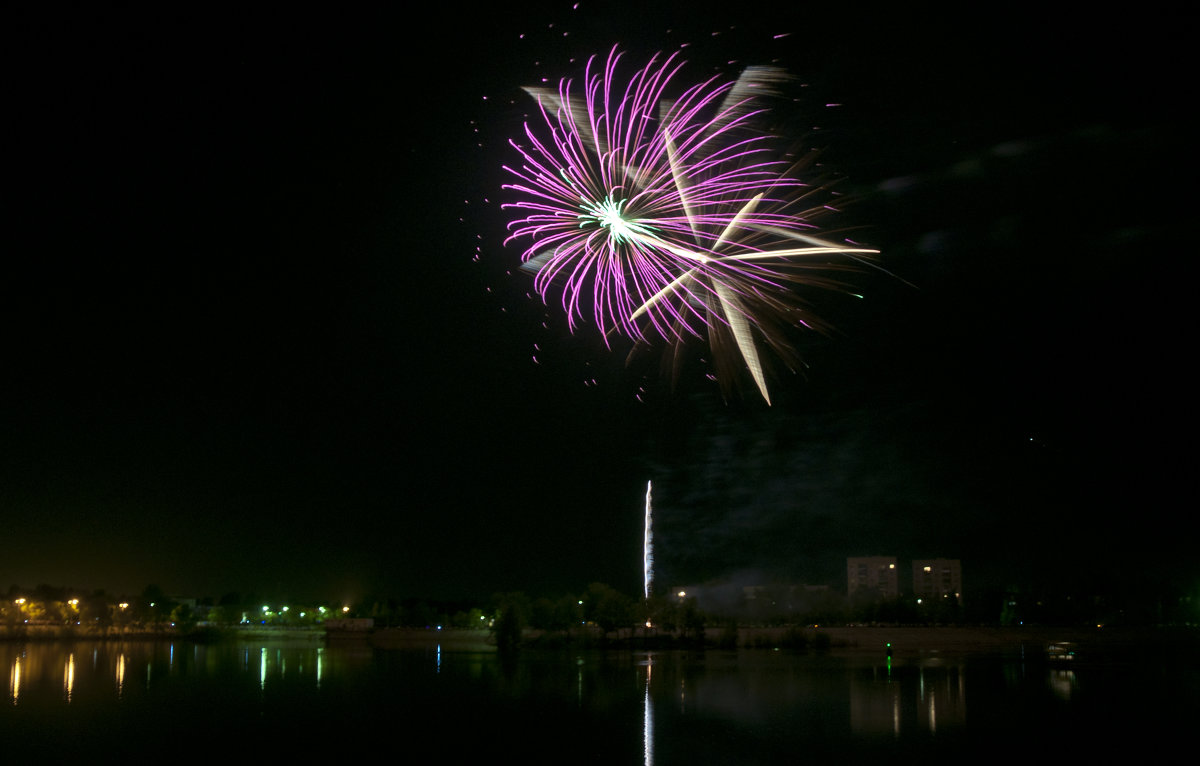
510,620
183,618
607,607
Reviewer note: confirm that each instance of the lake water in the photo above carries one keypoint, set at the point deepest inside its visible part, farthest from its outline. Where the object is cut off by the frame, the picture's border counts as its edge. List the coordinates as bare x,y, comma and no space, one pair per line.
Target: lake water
68,700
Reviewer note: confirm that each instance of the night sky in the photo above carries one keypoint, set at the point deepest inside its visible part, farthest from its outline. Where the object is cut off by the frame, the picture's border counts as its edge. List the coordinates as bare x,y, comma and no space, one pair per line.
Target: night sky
261,333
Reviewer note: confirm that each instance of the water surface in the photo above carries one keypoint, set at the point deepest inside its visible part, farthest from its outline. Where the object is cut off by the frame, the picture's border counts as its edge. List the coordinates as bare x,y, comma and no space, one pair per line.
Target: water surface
145,698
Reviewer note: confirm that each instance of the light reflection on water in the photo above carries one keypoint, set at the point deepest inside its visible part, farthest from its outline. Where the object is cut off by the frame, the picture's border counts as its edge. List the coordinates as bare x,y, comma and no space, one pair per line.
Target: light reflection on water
14,679
69,677
120,675
647,721
115,666
669,707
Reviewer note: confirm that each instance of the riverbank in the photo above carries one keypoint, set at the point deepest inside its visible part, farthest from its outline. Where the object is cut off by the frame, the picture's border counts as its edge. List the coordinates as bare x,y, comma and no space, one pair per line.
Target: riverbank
902,640
199,634
914,641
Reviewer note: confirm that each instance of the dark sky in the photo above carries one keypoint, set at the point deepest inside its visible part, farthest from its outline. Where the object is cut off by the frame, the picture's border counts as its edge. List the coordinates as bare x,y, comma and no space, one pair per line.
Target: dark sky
260,332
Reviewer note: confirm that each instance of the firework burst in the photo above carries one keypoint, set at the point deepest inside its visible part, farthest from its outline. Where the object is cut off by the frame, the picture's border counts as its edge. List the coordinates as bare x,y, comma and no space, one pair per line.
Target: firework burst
670,217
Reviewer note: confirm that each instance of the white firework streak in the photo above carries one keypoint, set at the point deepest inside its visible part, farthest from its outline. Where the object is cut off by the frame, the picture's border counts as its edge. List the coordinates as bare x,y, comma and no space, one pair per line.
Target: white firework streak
647,549
732,308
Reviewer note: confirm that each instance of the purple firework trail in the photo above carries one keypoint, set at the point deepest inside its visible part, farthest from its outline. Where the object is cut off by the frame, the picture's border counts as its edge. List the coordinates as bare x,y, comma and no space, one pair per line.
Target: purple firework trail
669,218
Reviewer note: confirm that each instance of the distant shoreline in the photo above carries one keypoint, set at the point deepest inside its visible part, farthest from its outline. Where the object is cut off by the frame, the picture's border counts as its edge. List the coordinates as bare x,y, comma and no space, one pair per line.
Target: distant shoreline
199,634
903,640
876,639
953,639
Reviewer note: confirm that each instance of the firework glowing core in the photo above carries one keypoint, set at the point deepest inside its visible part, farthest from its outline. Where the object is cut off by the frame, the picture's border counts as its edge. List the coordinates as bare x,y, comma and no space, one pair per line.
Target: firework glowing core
667,216
608,214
